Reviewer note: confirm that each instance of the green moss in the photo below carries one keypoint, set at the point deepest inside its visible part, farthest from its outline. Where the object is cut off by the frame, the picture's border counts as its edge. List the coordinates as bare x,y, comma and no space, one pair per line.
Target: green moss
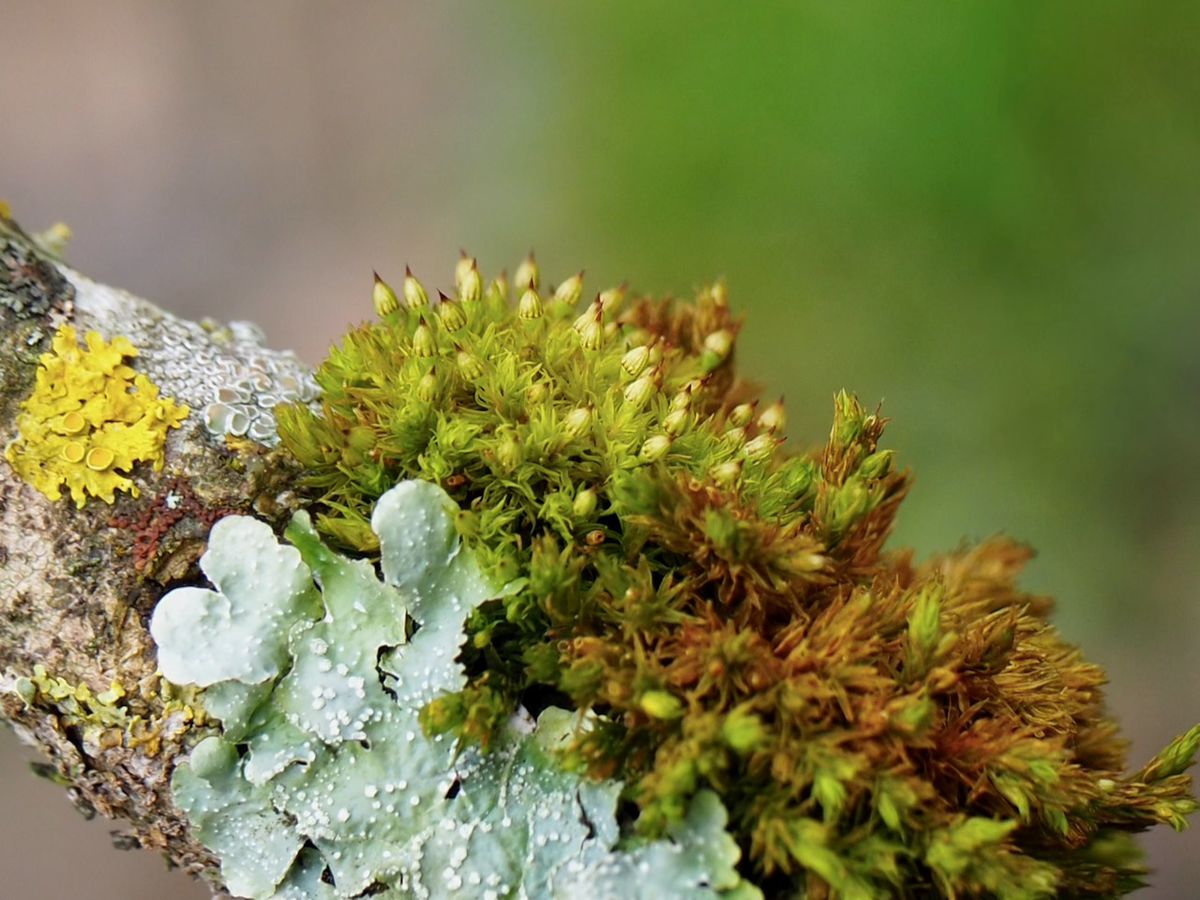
725,611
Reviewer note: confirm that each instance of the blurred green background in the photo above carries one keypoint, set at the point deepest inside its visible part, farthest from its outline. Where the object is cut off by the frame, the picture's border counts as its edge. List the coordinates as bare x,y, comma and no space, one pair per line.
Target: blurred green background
984,215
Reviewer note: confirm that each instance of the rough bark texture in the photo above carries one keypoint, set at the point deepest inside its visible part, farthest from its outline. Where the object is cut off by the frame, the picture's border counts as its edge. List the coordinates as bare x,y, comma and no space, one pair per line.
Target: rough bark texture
77,586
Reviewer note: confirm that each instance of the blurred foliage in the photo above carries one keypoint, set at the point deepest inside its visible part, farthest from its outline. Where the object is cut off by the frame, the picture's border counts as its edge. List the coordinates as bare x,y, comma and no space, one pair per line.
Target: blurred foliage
984,215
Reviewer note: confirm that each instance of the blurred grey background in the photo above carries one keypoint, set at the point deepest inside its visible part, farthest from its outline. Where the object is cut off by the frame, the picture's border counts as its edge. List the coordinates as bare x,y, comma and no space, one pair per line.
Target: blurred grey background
985,215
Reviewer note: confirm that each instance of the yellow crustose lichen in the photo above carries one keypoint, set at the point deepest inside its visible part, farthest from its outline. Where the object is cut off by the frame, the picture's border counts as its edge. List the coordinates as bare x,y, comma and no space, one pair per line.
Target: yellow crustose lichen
90,420
106,719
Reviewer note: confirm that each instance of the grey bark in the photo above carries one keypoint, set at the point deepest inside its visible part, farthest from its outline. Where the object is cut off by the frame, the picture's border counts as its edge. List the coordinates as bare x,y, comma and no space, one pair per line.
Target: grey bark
77,586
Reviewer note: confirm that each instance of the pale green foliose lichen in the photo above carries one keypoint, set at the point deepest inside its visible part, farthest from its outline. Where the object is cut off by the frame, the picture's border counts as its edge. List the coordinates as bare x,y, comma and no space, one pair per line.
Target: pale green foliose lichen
339,791
262,588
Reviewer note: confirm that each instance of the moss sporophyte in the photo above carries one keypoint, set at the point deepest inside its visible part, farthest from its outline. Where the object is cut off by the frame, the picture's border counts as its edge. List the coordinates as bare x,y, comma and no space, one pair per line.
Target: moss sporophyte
623,639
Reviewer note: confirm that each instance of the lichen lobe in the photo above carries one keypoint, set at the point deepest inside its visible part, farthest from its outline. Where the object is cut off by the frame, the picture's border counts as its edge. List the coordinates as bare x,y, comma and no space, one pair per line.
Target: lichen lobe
335,756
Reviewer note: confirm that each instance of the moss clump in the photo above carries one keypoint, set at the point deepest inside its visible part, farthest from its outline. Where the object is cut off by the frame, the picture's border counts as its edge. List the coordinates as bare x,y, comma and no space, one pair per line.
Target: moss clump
726,610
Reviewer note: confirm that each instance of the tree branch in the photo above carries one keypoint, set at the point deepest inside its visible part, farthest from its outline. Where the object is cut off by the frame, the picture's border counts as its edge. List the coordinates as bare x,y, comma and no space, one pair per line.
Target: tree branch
78,670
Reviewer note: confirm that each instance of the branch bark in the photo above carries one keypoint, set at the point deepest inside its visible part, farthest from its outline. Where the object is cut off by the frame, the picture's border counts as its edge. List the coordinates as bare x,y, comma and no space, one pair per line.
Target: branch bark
77,586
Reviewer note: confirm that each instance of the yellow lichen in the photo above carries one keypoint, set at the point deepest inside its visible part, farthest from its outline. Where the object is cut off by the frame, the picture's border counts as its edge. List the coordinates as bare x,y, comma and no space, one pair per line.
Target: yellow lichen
90,419
106,720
